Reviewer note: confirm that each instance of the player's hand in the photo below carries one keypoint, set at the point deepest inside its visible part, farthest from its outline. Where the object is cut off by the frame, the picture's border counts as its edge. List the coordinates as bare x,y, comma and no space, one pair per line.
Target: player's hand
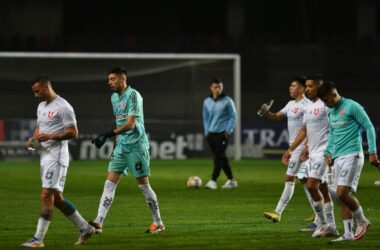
374,161
304,154
102,138
29,142
264,108
32,144
286,157
226,135
328,160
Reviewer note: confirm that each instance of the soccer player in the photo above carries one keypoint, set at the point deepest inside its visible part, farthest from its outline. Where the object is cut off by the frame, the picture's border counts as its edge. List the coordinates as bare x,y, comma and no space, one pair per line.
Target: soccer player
219,121
345,153
131,152
315,129
294,112
56,124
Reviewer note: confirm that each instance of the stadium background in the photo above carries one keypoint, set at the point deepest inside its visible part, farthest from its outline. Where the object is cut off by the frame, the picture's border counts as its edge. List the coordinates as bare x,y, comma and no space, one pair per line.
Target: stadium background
276,40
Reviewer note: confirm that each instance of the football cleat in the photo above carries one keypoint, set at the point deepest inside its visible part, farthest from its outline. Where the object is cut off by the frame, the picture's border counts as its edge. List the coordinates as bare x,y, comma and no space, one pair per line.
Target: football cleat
211,185
310,218
342,238
155,229
98,227
309,228
325,231
361,229
33,243
84,236
230,184
274,216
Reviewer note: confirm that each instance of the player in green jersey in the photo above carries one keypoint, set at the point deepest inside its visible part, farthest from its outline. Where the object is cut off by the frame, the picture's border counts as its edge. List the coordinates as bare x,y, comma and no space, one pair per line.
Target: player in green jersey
344,152
131,152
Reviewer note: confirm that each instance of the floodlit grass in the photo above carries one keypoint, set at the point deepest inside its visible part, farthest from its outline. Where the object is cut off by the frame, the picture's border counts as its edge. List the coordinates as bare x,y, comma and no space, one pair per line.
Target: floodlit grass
195,219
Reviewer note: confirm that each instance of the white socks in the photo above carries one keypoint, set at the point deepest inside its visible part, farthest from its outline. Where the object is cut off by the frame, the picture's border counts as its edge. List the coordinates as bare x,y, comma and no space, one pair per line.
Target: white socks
151,201
78,220
320,211
105,201
42,228
348,228
285,197
329,211
310,199
359,215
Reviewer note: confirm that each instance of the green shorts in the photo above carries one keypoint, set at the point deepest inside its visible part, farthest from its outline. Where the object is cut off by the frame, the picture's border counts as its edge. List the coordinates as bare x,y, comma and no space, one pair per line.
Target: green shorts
136,162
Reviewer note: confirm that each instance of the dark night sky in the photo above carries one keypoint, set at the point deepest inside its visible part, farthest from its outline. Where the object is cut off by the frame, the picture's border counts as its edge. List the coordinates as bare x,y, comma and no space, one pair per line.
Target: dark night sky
293,19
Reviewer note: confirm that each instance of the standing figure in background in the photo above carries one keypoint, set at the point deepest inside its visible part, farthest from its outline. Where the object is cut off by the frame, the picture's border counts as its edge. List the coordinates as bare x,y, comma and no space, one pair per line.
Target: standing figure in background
345,153
219,121
56,124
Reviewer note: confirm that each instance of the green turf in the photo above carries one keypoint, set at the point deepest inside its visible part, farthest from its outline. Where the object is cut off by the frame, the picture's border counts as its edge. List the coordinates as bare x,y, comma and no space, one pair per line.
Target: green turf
195,219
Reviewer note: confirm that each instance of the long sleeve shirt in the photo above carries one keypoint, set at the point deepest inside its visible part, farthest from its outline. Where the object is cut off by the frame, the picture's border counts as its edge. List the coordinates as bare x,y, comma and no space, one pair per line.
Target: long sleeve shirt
346,121
219,115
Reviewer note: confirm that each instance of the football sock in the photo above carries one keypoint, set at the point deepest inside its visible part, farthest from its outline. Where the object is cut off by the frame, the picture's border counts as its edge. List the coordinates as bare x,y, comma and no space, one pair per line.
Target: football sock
333,194
359,215
348,228
78,220
105,201
320,211
151,201
285,197
310,199
329,212
42,228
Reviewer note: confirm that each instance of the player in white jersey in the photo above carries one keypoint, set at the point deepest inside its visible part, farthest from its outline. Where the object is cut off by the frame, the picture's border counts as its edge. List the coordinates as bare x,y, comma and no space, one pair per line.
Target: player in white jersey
294,112
315,129
56,124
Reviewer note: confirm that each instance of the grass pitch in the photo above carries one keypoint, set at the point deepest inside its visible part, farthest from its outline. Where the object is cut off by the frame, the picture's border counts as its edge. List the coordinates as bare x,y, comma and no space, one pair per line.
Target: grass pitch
195,219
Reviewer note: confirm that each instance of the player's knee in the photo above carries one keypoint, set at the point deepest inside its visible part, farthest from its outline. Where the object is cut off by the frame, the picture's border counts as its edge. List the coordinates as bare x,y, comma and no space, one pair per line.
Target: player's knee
342,194
47,195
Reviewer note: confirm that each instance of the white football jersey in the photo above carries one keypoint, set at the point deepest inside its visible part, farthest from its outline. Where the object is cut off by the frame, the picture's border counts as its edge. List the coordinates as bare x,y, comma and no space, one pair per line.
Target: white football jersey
53,118
294,111
317,124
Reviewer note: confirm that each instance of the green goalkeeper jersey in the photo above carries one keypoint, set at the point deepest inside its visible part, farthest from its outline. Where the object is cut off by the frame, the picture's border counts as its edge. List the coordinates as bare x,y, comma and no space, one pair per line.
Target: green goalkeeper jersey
130,103
346,121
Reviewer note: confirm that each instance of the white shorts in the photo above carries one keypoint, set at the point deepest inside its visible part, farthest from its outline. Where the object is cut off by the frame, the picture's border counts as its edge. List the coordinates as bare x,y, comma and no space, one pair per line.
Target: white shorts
317,167
347,170
329,177
53,175
303,172
294,162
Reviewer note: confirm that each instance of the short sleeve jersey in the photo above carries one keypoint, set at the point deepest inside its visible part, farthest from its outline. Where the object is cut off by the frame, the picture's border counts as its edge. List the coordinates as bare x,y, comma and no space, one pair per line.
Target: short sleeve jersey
316,120
130,103
294,111
53,118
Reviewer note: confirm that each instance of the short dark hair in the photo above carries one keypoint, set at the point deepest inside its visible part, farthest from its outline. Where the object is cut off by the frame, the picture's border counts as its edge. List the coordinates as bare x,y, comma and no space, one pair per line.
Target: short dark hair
118,70
315,77
300,79
42,79
216,80
326,88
